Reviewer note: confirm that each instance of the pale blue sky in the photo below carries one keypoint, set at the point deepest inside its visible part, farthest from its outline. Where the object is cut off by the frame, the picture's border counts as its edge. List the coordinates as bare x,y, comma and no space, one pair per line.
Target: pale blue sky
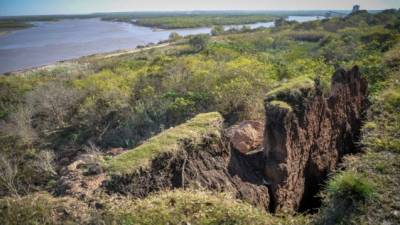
23,7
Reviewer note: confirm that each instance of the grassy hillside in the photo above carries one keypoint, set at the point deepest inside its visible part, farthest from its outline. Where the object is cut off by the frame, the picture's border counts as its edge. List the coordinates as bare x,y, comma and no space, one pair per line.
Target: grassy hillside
366,191
101,103
175,207
167,141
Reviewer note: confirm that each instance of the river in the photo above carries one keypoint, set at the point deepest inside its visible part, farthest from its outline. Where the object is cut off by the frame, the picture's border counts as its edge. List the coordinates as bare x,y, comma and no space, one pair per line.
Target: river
50,42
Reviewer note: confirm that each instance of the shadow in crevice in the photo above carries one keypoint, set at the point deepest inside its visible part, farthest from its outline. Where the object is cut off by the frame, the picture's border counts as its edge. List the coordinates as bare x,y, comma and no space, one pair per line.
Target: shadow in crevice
248,167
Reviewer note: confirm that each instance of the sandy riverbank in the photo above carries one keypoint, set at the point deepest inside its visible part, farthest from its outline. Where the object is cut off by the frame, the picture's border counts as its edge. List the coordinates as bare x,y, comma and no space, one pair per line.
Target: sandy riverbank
74,62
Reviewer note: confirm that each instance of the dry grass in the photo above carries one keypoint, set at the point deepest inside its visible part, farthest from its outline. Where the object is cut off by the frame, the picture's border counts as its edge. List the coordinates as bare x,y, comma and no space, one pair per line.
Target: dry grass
192,207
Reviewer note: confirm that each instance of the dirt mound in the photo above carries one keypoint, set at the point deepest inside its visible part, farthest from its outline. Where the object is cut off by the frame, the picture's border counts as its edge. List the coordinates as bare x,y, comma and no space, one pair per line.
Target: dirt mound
81,178
210,165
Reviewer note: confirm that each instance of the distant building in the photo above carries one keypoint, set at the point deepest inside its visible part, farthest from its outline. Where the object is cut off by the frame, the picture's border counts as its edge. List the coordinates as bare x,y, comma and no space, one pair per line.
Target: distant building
356,8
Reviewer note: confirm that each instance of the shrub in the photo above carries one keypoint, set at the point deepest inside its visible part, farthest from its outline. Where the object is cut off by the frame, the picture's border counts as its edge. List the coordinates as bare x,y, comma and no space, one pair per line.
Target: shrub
382,39
25,171
174,36
53,104
199,42
350,185
345,195
308,36
217,30
292,89
392,57
20,126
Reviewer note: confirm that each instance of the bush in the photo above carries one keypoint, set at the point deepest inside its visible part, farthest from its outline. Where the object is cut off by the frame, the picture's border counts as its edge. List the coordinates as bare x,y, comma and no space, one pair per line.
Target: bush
392,57
350,185
53,104
174,36
22,172
344,197
217,30
308,36
199,42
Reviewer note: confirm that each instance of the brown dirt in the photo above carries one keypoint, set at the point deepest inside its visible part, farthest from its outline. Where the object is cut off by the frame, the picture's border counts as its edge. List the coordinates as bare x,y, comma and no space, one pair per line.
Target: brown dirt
302,146
211,165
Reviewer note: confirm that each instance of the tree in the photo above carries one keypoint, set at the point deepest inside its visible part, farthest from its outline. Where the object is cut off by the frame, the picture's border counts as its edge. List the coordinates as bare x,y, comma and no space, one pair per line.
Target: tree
245,28
199,42
217,30
174,36
53,105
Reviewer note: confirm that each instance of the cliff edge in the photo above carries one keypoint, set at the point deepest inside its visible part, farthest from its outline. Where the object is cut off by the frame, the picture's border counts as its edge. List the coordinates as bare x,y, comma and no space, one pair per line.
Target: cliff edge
306,134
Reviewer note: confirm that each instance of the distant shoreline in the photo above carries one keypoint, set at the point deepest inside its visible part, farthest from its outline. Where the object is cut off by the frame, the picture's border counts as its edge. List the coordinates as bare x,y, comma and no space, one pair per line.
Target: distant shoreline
10,26
2,33
57,60
80,59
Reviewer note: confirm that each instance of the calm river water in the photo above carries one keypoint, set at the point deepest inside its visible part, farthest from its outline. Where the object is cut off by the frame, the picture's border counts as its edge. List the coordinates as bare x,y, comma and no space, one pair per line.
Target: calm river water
49,42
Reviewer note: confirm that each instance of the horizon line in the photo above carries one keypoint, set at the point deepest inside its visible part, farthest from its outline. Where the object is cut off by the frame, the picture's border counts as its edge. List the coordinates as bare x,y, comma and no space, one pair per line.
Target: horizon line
195,10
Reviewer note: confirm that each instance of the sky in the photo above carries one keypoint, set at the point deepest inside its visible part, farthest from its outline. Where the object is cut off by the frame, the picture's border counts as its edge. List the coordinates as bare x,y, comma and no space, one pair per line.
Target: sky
40,7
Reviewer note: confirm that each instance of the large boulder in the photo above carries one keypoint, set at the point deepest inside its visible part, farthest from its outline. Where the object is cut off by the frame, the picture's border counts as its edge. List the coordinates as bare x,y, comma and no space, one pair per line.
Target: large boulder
247,136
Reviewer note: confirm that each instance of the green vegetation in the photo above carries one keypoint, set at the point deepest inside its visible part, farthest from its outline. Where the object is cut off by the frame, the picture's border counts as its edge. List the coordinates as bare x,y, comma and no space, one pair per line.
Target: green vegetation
351,185
217,30
199,42
42,208
382,133
191,21
294,87
167,141
6,26
107,102
172,207
281,104
9,25
364,192
347,193
192,207
174,36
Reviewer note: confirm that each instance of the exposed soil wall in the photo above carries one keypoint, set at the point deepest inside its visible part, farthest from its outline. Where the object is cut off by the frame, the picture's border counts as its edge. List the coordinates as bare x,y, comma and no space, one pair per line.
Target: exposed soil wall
211,165
304,144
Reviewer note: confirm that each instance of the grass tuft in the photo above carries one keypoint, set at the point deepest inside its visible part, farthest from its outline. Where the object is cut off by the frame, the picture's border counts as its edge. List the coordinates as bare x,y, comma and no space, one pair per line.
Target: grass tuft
294,87
349,184
281,104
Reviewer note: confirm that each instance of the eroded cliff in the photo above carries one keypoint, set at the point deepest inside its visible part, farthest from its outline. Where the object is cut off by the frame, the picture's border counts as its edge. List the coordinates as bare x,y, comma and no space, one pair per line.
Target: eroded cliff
307,131
206,162
306,134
